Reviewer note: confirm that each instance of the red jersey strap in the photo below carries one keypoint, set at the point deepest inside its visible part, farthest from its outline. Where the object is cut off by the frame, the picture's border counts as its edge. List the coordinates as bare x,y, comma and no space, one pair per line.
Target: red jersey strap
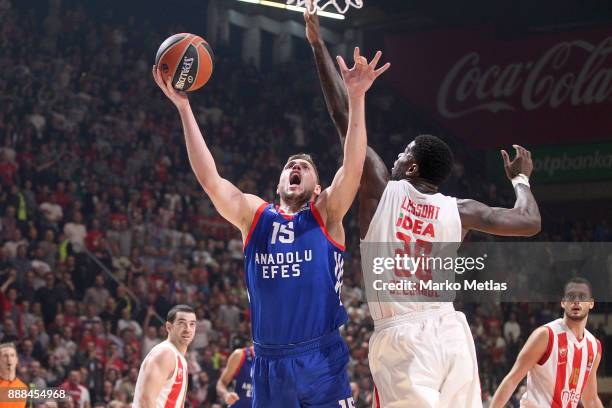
549,347
260,209
599,350
561,370
317,215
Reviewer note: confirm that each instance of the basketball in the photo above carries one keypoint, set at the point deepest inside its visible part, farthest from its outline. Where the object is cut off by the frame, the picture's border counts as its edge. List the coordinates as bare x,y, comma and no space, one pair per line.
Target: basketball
187,59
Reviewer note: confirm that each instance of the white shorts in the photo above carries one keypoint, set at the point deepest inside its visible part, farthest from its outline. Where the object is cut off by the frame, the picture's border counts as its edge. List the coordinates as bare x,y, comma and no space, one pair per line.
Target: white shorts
425,360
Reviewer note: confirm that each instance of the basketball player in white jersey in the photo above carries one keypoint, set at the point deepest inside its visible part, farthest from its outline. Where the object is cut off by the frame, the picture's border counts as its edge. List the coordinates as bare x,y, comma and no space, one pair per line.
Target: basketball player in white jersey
162,380
560,358
422,354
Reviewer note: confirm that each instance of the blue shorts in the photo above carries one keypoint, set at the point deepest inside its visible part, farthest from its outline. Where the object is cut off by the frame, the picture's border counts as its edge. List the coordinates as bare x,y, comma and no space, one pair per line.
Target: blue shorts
311,374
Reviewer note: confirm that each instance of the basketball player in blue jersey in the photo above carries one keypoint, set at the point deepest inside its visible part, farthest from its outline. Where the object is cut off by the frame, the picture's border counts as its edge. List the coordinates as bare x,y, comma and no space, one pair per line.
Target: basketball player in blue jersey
421,354
293,257
238,369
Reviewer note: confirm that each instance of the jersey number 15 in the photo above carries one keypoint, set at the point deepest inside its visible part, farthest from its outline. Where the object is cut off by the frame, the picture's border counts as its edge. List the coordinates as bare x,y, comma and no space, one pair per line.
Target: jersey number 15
282,232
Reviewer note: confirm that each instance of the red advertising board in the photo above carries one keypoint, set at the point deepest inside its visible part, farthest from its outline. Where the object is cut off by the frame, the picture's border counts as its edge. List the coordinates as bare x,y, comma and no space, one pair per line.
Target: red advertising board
493,91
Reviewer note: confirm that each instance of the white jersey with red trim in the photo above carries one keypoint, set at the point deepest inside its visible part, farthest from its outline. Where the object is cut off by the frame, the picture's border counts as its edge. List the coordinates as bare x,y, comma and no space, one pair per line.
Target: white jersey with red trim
172,394
419,222
560,376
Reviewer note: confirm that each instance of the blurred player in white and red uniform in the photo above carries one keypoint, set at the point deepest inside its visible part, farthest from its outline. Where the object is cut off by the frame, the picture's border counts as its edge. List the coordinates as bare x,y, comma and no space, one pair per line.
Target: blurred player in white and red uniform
422,353
560,358
162,380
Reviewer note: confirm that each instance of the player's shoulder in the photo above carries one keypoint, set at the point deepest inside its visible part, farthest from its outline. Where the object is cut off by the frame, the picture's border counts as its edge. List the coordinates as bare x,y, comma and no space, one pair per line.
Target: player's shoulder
16,383
237,354
543,332
162,356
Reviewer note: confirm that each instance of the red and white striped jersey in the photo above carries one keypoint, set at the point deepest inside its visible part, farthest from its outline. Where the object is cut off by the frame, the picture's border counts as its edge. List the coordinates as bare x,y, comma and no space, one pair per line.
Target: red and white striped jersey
419,221
557,381
173,392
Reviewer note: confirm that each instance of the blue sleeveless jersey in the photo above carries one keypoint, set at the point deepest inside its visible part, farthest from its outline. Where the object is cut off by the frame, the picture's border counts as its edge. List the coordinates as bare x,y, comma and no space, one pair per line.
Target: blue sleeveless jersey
244,381
293,276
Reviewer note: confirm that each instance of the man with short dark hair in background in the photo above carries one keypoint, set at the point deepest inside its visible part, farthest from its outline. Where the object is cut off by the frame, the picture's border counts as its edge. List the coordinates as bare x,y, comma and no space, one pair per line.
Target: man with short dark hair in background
560,358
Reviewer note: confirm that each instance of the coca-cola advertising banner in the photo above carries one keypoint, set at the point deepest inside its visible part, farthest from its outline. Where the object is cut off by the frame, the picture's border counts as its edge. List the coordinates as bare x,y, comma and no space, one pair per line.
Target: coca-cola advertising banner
493,91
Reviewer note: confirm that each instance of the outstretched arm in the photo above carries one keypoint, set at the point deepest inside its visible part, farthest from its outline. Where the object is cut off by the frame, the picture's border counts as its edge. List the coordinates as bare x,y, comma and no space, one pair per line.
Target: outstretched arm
375,173
337,198
233,205
533,351
521,220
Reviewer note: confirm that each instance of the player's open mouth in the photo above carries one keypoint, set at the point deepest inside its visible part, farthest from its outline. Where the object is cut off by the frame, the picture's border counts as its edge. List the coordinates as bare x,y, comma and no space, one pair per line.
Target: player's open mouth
294,179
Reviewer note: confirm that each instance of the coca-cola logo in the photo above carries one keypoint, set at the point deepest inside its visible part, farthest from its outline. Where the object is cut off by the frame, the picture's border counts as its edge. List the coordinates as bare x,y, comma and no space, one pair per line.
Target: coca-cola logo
554,79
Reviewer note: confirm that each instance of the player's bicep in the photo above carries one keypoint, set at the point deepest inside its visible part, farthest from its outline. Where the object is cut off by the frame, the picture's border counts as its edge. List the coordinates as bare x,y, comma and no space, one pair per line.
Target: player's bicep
156,372
492,220
536,350
232,367
235,206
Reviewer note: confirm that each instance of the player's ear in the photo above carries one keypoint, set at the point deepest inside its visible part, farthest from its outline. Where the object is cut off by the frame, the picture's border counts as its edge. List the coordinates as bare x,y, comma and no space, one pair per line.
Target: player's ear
168,326
412,170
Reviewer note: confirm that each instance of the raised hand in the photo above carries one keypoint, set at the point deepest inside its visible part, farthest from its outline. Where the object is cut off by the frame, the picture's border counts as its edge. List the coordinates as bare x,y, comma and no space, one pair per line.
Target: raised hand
521,164
360,78
178,98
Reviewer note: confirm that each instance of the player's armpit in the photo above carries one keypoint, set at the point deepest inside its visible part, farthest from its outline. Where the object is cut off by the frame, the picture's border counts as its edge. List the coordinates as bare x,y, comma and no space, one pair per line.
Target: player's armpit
517,221
589,398
534,351
155,372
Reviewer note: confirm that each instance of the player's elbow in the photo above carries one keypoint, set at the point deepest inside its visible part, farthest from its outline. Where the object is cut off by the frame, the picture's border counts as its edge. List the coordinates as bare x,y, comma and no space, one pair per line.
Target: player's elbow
533,226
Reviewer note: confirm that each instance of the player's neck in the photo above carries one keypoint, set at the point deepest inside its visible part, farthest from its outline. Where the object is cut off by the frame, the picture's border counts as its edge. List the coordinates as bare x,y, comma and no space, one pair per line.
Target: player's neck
8,375
291,208
576,326
423,186
181,349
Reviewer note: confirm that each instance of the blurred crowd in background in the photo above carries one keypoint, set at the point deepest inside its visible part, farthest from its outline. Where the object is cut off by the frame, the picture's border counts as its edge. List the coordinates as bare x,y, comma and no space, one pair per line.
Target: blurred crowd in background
103,226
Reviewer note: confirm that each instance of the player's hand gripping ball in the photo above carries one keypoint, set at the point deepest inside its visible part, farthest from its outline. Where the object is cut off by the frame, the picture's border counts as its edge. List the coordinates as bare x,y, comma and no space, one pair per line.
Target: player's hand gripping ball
187,59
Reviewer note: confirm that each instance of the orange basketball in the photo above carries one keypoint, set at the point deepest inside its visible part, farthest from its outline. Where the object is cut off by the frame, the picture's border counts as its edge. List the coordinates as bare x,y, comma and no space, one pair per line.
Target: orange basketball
187,59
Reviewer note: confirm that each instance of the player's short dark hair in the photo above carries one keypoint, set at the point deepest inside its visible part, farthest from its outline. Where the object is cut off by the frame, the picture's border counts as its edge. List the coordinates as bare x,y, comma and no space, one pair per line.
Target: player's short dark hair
176,309
580,281
306,157
434,158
